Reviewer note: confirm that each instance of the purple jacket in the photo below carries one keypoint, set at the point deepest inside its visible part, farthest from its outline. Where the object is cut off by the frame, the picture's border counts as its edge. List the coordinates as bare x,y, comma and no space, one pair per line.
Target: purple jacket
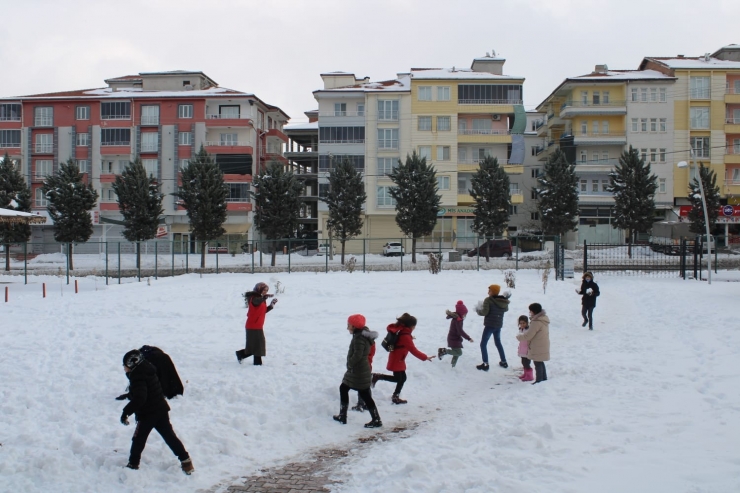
456,334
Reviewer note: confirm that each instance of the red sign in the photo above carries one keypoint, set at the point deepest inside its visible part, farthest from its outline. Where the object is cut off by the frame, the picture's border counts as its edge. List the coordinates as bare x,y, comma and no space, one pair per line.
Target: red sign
724,210
161,232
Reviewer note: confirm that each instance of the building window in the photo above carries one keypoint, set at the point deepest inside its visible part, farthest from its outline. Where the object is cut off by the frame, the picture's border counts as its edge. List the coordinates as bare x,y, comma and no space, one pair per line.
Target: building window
384,197
443,93
653,94
534,216
595,127
120,110
229,139
662,155
643,94
605,97
604,156
584,156
43,168
388,110
360,109
83,165
425,152
595,186
663,124
700,145
634,95
653,124
699,118
595,157
387,138
10,138
584,186
115,136
443,182
340,109
699,87
512,210
342,135
661,185
653,155
41,200
535,172
533,195
425,93
83,139
10,112
44,143
43,117
184,163
605,127
185,111
82,113
149,115
662,95
443,153
584,98
150,165
584,128
185,138
604,185
149,142
425,123
386,165
596,98
238,192
643,154
635,125
643,124
444,123
327,162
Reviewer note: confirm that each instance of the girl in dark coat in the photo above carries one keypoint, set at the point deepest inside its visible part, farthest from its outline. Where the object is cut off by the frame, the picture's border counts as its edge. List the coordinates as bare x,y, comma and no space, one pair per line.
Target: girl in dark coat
358,376
456,334
589,291
257,308
404,326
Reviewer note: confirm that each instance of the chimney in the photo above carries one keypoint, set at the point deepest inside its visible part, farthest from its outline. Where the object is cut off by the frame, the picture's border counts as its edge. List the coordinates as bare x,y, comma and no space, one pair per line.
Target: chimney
601,69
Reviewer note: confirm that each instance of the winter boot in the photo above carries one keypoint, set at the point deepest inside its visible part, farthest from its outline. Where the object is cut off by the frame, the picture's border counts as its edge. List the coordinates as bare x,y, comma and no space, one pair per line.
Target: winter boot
187,466
441,352
483,366
239,355
361,407
528,375
342,416
503,364
397,400
376,377
585,323
133,466
375,423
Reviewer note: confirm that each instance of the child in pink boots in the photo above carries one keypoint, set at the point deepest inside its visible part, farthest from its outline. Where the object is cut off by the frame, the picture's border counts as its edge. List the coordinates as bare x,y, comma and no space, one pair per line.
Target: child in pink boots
527,376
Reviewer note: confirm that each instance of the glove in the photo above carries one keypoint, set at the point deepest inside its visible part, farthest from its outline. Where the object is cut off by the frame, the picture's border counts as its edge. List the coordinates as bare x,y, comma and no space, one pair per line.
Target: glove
272,303
122,397
578,291
124,419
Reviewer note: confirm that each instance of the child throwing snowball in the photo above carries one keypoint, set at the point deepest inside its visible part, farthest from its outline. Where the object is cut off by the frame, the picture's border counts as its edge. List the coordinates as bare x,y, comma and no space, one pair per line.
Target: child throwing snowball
456,334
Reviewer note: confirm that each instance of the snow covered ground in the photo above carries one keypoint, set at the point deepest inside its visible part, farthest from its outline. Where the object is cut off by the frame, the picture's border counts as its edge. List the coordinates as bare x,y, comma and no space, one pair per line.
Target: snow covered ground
648,401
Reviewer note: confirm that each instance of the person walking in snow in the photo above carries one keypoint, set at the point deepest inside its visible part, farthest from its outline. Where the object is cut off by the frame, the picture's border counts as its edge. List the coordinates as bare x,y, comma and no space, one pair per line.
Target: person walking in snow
404,326
493,309
527,376
361,406
147,404
589,291
538,337
358,375
257,307
456,333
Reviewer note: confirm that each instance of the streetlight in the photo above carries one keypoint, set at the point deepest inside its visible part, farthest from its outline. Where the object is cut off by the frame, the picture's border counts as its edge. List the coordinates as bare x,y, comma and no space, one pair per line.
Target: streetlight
684,164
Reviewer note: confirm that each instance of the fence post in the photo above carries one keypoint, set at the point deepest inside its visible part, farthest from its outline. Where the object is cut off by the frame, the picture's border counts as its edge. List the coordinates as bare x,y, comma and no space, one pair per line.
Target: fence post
217,248
156,251
69,257
363,254
25,267
106,263
119,262
187,257
585,256
477,251
403,251
138,258
172,250
682,259
252,255
289,255
516,267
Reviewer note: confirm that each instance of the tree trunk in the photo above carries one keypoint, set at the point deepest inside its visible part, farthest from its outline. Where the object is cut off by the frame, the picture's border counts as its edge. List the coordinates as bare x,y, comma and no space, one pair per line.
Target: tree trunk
488,249
203,248
7,256
138,255
629,244
413,250
343,241
70,257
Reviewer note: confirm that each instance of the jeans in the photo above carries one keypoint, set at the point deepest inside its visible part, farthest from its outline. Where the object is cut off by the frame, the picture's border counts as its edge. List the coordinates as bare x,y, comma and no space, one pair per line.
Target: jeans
364,395
456,353
588,315
163,426
487,332
540,371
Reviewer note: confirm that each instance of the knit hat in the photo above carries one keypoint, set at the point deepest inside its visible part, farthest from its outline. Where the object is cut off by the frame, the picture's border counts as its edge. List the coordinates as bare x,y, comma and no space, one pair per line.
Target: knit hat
132,359
588,274
259,286
357,321
494,289
461,309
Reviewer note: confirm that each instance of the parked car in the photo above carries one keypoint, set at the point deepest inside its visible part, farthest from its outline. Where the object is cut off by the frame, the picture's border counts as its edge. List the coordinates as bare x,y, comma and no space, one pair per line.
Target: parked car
496,248
323,249
393,248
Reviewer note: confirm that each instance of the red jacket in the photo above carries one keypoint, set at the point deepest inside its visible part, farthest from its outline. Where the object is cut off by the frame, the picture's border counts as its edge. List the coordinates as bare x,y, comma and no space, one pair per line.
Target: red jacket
371,354
256,313
404,346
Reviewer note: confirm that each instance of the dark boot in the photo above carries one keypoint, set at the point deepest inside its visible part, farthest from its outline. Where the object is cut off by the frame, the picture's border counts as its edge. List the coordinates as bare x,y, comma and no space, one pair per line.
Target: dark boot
240,356
375,423
376,377
342,416
441,352
361,407
397,400
483,366
503,364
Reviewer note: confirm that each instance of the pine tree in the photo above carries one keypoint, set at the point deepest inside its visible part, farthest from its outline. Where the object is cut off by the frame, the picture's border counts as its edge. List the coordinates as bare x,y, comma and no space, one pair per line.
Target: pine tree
634,188
203,194
490,190
14,195
711,196
345,200
558,195
278,203
417,202
70,203
140,203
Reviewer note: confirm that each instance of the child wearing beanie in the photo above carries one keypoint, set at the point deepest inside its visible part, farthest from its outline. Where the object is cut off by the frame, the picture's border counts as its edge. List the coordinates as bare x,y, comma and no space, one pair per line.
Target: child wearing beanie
456,333
492,309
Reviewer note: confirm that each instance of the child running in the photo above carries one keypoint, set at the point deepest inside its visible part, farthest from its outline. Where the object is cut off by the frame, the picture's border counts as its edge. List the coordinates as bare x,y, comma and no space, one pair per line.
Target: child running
527,376
456,334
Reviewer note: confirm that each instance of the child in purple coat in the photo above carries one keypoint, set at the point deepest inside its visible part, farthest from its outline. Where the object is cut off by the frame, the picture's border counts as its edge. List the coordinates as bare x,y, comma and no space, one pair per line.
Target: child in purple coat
456,334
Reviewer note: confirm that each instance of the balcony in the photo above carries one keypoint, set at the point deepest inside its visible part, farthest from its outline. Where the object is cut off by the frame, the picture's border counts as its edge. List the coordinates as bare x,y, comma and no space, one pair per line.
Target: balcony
573,108
484,136
228,120
732,155
150,120
592,139
331,114
150,147
224,143
732,95
732,125
480,102
43,148
277,134
600,166
43,121
516,197
464,199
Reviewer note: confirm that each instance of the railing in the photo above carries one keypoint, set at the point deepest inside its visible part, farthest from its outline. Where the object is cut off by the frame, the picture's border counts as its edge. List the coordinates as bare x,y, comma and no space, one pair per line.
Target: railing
538,150
731,149
731,120
388,116
489,101
150,120
700,94
387,144
591,104
600,134
149,147
701,153
515,191
599,162
116,117
10,118
483,132
538,124
345,113
10,144
347,141
45,148
116,143
226,117
478,160
43,121
731,181
550,116
224,143
732,90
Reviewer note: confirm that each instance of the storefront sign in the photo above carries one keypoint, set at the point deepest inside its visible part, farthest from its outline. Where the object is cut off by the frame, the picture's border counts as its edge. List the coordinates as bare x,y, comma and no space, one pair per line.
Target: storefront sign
456,211
728,214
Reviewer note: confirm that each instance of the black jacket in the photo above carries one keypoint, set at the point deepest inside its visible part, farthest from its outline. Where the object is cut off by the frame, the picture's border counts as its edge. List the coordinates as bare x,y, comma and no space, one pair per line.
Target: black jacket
145,393
589,300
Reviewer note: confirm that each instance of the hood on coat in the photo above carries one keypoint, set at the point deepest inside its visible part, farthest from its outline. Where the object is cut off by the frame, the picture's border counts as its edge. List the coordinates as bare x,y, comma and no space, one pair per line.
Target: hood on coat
370,334
398,328
541,317
500,301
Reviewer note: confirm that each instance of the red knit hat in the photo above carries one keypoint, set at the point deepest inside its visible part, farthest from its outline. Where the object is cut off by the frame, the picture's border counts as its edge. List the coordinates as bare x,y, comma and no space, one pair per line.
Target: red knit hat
357,321
461,309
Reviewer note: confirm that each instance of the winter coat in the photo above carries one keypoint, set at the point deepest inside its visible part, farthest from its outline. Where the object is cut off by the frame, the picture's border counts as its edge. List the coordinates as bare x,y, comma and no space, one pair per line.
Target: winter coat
145,393
456,334
493,311
523,346
538,337
404,346
589,300
166,371
358,375
258,307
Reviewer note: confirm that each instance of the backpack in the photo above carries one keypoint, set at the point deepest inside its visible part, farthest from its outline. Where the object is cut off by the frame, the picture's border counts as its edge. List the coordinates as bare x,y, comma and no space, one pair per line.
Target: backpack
389,341
166,371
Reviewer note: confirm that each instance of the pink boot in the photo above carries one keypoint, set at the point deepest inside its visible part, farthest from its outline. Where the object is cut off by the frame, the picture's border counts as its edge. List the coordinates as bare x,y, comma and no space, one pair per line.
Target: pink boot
528,375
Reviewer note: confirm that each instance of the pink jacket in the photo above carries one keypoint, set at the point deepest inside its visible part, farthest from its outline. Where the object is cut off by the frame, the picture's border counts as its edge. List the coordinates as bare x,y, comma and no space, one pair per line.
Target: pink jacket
523,346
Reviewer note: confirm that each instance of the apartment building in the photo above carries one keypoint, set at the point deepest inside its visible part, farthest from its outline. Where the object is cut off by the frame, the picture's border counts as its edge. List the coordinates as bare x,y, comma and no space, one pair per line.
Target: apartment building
163,117
593,119
302,153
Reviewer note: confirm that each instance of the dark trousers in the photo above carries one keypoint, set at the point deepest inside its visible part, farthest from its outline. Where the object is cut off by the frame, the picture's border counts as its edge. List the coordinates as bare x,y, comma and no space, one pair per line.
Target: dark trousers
540,371
526,363
399,377
163,426
588,315
365,395
487,333
246,353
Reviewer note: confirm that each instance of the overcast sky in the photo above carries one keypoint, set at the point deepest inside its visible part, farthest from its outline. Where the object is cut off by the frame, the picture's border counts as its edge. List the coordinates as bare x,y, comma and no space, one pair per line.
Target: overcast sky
276,49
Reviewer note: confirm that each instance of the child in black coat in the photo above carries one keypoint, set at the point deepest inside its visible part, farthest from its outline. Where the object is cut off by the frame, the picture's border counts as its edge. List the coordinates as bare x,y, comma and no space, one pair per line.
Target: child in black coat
589,291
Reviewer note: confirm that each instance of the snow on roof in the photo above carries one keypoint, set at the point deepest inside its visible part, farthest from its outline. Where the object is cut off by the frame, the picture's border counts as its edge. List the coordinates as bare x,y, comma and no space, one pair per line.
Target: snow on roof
458,73
695,63
624,75
302,126
400,84
131,92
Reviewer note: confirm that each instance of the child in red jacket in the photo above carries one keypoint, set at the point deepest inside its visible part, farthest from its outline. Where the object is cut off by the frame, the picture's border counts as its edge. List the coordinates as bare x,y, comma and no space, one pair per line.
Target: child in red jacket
404,326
